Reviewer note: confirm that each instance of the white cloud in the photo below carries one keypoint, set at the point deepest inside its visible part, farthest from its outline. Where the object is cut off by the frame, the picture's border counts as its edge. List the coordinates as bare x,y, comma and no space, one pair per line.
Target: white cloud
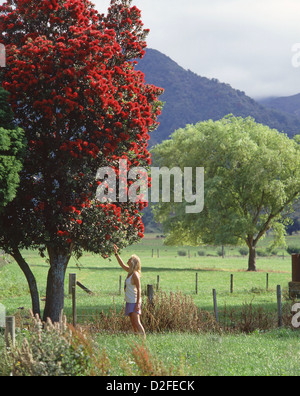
246,43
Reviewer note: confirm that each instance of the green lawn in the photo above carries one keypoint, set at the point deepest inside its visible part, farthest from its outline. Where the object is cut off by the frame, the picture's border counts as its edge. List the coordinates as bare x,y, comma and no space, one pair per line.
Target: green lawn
276,353
175,273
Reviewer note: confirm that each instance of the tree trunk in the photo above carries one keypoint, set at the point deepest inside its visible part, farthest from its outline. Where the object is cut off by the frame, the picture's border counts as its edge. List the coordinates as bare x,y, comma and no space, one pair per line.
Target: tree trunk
252,258
55,284
31,281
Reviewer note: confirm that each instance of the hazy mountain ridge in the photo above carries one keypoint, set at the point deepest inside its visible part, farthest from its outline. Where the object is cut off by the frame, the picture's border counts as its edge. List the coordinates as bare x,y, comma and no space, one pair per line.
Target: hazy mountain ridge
288,104
190,98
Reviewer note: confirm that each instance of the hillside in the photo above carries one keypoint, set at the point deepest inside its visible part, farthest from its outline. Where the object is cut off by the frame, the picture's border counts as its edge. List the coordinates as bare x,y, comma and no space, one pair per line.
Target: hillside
289,104
190,98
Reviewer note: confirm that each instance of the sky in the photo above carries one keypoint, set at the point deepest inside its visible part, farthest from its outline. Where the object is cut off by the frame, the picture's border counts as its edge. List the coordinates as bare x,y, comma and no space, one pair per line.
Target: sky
253,45
249,44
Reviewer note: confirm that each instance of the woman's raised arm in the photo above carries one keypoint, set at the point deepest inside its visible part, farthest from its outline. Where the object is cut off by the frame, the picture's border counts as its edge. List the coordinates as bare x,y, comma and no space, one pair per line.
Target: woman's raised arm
120,261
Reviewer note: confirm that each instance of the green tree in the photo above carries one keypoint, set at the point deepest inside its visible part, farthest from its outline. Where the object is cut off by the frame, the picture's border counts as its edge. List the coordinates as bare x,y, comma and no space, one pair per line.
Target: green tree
252,179
11,150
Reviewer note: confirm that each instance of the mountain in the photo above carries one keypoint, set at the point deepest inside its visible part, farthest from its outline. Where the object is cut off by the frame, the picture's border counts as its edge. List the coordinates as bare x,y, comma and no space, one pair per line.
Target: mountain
190,98
288,104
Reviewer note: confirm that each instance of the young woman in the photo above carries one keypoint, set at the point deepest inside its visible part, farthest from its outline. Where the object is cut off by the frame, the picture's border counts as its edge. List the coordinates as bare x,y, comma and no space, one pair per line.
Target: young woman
132,291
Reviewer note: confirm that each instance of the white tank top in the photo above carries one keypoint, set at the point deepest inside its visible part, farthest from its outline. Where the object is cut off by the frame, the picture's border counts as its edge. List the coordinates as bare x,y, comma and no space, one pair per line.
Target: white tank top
130,291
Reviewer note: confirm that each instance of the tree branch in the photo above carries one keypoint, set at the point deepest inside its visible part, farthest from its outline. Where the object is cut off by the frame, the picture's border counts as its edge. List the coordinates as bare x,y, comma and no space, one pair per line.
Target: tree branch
30,279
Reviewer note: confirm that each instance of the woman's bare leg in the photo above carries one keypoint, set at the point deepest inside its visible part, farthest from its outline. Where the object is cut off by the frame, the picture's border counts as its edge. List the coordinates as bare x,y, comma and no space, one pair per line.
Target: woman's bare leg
136,324
133,323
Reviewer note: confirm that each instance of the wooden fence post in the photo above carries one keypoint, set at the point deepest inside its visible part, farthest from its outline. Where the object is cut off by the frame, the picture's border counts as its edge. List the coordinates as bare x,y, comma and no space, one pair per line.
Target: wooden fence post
215,305
74,310
267,285
150,293
72,282
120,285
10,331
231,283
157,284
196,282
279,305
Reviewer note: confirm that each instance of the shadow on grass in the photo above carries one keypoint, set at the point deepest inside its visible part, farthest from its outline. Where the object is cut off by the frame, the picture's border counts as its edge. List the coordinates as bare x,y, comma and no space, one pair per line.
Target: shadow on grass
163,269
167,269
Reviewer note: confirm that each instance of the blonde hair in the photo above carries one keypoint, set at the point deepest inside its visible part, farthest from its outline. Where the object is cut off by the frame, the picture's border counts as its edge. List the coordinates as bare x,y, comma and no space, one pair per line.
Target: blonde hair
135,264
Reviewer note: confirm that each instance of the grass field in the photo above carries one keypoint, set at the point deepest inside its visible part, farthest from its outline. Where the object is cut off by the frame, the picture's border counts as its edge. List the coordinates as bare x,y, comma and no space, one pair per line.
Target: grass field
275,352
176,273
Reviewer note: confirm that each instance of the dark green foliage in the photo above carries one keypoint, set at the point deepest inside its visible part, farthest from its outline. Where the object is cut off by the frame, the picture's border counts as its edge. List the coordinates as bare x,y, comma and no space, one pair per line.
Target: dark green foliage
295,227
11,150
293,249
6,115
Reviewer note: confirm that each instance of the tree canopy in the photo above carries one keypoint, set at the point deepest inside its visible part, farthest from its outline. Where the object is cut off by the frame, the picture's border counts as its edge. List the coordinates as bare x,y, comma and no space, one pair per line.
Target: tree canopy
252,179
83,106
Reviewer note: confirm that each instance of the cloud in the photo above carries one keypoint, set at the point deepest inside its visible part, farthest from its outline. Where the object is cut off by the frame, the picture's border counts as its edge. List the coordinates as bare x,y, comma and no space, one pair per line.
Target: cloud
246,43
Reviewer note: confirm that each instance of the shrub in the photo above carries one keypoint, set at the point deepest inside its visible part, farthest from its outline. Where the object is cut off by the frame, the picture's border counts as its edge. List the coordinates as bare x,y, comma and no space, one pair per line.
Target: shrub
175,312
220,252
54,350
293,249
261,253
244,251
272,252
201,253
182,253
249,318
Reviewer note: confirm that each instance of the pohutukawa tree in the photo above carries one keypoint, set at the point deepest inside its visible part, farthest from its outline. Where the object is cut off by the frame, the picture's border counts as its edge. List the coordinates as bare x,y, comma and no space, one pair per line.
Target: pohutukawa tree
75,92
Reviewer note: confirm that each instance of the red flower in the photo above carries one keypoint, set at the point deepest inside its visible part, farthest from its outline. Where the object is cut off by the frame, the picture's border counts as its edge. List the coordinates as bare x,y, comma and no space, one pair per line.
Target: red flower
41,205
118,125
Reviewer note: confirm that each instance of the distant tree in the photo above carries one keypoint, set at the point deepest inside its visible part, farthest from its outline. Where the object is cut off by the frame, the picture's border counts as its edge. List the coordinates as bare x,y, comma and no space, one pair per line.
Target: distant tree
74,89
12,145
294,227
252,179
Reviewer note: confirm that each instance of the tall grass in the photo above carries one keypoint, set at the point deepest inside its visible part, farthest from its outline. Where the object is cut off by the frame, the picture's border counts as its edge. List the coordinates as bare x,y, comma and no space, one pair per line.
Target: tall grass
176,312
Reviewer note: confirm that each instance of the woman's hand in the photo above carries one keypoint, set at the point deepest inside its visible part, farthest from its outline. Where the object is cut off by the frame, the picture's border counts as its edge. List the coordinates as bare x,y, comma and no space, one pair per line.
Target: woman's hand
137,307
116,249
